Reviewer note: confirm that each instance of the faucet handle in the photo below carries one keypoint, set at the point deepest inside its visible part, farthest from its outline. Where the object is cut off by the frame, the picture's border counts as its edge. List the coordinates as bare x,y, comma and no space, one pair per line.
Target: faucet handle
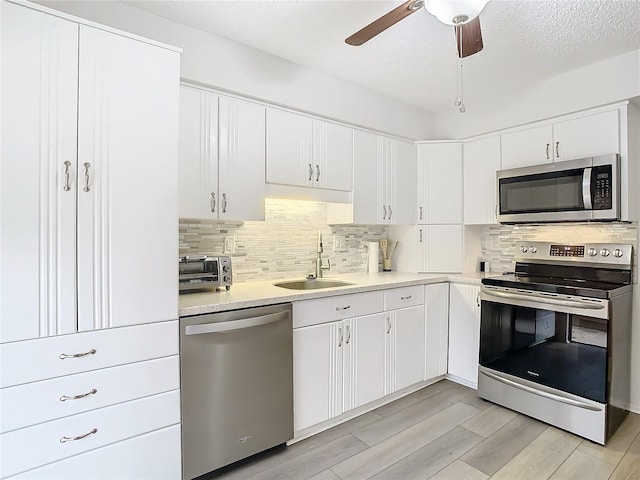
328,266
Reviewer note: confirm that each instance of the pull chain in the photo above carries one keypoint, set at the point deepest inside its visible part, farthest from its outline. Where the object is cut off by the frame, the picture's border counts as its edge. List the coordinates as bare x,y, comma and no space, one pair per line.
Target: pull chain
460,98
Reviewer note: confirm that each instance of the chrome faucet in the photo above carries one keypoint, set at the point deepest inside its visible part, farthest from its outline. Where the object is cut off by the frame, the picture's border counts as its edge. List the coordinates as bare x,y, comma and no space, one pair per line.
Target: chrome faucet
319,266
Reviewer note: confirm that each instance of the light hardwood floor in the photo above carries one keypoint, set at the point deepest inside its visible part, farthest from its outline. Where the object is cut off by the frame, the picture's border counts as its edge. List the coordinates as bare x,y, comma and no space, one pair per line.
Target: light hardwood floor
444,432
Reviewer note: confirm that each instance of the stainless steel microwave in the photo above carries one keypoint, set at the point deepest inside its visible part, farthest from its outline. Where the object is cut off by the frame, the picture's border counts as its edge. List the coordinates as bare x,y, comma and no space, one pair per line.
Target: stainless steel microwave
581,190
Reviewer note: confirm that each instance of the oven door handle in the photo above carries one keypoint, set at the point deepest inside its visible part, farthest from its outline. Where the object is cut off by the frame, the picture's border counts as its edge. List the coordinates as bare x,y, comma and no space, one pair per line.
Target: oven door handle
541,393
543,299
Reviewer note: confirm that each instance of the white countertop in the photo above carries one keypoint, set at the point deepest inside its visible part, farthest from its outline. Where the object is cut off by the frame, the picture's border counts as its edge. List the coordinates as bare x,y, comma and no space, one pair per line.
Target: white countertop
256,294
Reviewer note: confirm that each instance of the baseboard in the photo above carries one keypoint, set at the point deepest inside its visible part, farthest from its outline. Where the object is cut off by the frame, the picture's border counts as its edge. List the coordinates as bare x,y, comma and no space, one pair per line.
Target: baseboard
462,381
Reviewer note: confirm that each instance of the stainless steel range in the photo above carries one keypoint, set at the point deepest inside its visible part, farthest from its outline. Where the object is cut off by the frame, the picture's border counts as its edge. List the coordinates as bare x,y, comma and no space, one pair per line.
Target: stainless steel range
555,336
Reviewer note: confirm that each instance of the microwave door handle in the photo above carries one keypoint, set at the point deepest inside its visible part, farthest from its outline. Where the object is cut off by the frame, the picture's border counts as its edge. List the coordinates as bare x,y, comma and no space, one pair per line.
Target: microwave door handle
586,188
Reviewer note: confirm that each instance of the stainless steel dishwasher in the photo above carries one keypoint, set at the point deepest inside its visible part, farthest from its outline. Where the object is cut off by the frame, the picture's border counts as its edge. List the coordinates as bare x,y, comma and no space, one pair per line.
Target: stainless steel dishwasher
236,373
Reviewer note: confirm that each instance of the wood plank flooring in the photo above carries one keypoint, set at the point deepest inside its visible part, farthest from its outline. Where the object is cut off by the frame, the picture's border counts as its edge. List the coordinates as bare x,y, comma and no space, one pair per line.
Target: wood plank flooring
445,432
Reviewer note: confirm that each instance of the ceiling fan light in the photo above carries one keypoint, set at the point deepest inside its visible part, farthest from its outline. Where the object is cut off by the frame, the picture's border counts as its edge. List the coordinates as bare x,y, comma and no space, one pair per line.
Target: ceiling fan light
448,10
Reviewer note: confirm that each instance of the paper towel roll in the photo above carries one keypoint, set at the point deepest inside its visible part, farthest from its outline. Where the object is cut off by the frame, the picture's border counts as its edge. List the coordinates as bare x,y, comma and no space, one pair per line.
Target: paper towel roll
372,263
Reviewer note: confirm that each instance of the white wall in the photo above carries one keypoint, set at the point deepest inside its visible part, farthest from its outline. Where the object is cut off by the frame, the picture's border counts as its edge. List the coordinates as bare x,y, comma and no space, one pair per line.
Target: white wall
236,68
608,81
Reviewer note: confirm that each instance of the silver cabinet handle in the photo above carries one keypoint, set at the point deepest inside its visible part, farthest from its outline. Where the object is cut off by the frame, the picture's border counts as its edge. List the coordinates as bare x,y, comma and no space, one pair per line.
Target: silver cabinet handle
317,173
221,327
213,202
408,297
62,356
390,212
557,149
64,398
420,213
310,172
343,308
420,235
79,437
548,145
348,335
388,324
340,336
224,203
384,212
86,176
67,184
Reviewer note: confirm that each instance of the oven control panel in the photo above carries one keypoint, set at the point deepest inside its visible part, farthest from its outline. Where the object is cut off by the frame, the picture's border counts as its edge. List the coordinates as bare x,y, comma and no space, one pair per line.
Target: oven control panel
587,253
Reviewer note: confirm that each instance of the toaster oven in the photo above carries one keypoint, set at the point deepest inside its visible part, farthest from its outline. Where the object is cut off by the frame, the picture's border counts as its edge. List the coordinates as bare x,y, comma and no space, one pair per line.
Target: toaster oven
204,273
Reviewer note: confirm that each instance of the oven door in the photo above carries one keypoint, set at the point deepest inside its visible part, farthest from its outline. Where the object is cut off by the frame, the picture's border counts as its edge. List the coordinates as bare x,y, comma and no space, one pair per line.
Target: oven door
556,341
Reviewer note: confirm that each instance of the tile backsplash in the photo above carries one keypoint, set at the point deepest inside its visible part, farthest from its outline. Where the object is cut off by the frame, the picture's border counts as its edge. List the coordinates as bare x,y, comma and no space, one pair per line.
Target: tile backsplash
284,245
499,241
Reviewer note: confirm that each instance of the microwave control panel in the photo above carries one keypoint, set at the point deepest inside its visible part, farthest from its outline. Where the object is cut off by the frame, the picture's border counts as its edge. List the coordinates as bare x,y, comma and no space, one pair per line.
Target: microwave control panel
601,187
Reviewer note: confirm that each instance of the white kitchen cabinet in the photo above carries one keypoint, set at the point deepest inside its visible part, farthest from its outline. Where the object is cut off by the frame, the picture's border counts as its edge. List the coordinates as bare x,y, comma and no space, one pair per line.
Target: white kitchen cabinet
439,183
405,349
384,188
307,152
579,137
481,162
431,249
464,333
221,157
93,243
437,329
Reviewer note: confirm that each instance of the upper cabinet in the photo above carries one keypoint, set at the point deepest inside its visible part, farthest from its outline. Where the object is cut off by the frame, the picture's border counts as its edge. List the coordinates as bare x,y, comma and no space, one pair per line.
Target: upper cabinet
307,152
587,136
88,192
439,183
221,157
481,162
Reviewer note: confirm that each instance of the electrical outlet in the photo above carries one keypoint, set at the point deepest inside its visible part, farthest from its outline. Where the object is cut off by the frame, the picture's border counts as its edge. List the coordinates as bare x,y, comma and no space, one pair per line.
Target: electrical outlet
229,245
338,243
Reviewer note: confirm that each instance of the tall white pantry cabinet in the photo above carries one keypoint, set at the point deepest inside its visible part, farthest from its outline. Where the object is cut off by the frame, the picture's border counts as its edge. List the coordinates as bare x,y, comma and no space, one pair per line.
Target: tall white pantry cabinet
89,381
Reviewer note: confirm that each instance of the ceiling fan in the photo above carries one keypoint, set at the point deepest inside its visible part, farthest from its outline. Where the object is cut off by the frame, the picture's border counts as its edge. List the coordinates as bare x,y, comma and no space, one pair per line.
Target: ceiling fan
462,14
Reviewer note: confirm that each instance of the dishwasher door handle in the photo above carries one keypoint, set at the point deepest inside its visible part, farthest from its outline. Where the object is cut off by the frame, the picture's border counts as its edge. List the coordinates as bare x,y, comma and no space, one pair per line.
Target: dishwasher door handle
219,327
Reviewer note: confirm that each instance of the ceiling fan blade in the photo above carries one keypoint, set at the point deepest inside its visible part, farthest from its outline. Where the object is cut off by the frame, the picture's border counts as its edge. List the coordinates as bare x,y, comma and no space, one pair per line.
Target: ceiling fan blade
384,22
469,38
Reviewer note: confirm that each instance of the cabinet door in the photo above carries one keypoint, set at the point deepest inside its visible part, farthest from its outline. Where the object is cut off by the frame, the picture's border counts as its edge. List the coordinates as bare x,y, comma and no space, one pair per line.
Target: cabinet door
409,348
289,148
422,175
481,162
464,332
444,248
364,360
127,192
444,183
527,147
589,136
367,204
333,156
437,329
317,373
39,168
241,160
386,178
403,207
198,154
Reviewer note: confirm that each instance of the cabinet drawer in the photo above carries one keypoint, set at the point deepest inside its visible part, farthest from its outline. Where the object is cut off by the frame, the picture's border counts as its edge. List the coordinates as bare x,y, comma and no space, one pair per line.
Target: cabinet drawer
403,297
322,310
39,359
154,455
35,446
38,402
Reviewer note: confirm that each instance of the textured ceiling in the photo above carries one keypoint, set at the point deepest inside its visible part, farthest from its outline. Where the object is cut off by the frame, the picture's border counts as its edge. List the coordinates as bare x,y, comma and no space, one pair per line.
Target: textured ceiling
414,61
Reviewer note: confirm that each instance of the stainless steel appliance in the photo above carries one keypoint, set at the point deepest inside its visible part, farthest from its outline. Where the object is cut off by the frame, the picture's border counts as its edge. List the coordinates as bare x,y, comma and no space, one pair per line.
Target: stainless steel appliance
555,336
236,376
204,273
578,190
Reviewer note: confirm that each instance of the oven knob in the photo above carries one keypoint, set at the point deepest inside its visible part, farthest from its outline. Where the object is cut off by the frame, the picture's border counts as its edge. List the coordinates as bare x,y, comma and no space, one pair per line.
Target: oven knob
604,252
592,252
227,278
226,268
523,249
617,253
533,249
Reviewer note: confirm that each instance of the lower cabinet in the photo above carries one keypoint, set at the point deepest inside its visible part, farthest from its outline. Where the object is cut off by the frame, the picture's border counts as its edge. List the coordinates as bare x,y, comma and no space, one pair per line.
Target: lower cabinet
464,333
405,348
436,299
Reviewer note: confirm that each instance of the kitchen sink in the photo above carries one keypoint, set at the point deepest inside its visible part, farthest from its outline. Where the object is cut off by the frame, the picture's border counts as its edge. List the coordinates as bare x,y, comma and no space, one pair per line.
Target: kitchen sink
311,284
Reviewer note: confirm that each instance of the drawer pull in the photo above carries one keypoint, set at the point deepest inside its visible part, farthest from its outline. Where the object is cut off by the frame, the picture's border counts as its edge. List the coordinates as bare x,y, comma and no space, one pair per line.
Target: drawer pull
408,297
343,308
64,398
79,437
62,356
